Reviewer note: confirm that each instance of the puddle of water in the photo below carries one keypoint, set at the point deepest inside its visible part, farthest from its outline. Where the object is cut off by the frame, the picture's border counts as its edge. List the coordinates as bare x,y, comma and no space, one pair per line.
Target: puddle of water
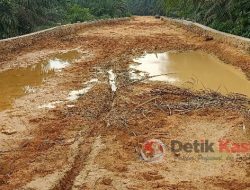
29,89
70,106
73,95
194,69
76,94
112,80
50,105
56,64
17,82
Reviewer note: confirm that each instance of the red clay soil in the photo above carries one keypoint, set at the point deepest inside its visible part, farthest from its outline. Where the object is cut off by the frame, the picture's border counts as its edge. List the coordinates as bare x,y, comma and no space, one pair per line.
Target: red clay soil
96,144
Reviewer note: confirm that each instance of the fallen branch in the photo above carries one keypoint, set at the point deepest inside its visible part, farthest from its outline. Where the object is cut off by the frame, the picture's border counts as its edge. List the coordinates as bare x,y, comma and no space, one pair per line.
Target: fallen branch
145,103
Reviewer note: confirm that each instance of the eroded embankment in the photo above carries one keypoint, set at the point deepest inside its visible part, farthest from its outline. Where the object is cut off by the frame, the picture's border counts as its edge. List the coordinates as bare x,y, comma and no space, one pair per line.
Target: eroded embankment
94,141
210,34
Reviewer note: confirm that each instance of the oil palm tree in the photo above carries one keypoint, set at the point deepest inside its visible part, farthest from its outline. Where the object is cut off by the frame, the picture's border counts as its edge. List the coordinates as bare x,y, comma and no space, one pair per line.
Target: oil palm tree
8,21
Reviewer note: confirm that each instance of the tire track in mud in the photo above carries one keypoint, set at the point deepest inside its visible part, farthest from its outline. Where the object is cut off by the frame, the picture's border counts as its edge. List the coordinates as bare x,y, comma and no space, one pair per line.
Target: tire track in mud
88,151
101,106
95,149
61,177
88,145
68,180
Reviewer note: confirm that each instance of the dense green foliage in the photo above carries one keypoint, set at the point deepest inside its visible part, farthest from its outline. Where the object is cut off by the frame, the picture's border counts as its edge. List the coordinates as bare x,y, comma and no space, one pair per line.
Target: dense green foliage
105,8
23,16
147,7
232,16
78,13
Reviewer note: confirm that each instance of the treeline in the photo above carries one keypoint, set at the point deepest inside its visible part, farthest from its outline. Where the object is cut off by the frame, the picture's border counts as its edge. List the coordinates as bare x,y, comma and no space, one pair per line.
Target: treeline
147,7
24,16
232,16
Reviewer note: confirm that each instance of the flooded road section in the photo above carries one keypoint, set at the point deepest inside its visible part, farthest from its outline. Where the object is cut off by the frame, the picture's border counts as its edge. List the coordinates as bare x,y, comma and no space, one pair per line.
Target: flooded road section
17,82
196,70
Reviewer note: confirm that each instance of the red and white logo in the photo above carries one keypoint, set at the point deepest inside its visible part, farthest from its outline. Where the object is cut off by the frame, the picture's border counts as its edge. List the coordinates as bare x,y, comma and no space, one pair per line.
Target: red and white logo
153,150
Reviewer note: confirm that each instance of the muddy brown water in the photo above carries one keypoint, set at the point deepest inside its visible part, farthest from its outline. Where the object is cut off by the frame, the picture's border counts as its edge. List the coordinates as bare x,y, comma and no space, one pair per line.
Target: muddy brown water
17,82
196,70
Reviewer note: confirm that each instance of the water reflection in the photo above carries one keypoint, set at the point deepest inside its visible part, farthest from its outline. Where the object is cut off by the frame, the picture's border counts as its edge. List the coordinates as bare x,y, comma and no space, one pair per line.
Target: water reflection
16,82
194,69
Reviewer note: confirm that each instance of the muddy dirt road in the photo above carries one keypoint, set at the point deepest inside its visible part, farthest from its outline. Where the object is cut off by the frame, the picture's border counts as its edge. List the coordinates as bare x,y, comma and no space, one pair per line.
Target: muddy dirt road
90,135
